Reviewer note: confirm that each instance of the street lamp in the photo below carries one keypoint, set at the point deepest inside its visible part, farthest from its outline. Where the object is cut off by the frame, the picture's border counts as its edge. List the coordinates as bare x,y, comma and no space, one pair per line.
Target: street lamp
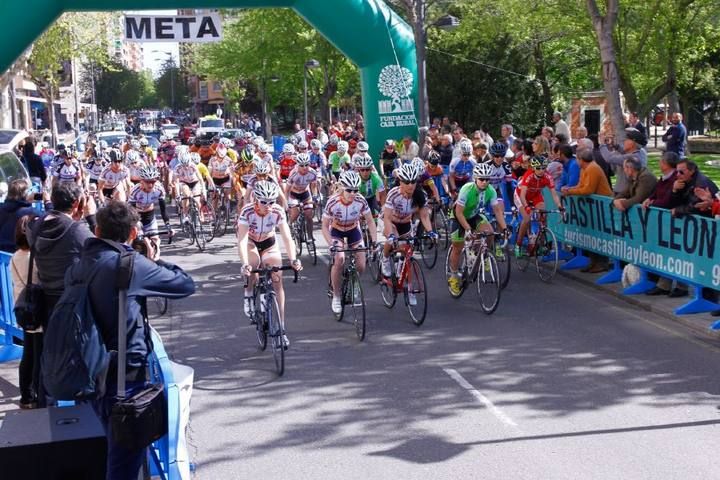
266,114
446,23
309,64
172,78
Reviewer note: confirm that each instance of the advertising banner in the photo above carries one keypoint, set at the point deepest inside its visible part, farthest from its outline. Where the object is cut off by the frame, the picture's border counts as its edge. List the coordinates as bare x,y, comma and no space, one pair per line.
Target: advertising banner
173,28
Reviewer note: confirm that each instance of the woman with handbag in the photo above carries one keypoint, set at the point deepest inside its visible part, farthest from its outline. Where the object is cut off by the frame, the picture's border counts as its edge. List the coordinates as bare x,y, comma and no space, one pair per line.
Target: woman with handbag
22,269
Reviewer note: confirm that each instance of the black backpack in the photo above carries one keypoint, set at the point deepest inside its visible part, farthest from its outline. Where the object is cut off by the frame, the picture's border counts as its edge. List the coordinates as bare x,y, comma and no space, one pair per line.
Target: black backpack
75,360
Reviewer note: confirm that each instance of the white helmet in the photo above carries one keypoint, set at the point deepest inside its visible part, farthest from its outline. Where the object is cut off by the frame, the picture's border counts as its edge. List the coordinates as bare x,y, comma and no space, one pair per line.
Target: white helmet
483,170
363,147
248,135
342,146
263,148
266,191
315,143
226,142
466,147
149,172
261,167
132,156
419,164
144,142
257,141
195,157
180,149
162,138
184,158
134,144
288,149
303,144
302,159
334,139
407,172
363,160
350,179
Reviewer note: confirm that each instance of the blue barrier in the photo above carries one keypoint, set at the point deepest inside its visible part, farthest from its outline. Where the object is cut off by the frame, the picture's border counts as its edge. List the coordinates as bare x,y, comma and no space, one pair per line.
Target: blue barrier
682,249
277,141
10,333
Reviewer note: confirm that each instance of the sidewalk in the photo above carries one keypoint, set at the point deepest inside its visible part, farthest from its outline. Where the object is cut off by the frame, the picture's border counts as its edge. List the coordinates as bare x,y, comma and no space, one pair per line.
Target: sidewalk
661,305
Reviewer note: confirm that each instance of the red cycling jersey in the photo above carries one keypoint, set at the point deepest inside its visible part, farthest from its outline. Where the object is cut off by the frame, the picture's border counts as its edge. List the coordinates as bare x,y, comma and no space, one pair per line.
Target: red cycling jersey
535,186
286,166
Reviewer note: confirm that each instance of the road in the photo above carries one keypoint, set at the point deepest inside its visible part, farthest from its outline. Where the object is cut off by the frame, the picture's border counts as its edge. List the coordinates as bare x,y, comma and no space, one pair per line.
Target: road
561,382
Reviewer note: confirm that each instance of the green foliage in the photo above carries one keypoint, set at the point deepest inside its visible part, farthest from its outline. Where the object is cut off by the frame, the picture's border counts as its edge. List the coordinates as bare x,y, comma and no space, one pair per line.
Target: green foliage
170,86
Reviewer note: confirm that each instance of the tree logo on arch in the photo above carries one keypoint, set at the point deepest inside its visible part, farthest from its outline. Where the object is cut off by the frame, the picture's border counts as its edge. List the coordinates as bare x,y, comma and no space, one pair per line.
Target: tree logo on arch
395,82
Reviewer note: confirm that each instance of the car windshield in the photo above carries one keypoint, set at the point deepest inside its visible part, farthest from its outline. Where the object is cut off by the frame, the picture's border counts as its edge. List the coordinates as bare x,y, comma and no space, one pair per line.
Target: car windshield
211,123
6,136
170,126
10,169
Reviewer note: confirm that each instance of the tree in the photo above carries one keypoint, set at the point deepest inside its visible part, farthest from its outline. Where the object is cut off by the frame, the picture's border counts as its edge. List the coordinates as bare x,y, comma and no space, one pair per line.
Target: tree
118,88
170,87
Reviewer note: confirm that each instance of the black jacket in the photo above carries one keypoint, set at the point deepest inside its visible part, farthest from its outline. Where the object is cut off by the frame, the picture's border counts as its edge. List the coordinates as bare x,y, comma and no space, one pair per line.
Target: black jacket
10,212
99,260
58,241
683,201
34,166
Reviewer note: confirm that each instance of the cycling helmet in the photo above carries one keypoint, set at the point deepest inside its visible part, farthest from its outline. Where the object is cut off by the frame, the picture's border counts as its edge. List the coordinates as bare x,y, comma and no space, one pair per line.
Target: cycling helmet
483,171
390,143
363,160
266,191
135,144
195,157
303,144
334,139
184,158
132,156
246,155
466,147
144,142
538,161
419,164
315,143
433,157
61,147
114,155
342,146
257,141
288,149
498,149
261,167
363,147
248,135
407,172
350,179
162,139
181,149
302,159
149,172
226,142
264,148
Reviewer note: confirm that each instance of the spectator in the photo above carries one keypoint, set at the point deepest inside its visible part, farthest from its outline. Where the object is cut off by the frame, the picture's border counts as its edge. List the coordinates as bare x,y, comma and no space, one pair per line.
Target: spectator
458,137
445,149
571,170
33,163
506,132
593,144
635,123
642,184
632,147
548,133
117,222
30,362
15,206
560,139
58,238
541,146
592,181
480,153
322,136
675,137
409,149
684,200
561,127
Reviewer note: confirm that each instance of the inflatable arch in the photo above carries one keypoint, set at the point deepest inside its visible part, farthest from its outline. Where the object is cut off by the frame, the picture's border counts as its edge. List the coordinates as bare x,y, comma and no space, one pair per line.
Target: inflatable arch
371,35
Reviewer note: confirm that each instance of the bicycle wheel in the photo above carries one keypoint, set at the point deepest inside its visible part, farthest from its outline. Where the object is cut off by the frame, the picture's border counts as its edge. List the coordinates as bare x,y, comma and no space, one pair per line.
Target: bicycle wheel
387,291
261,326
440,224
373,265
462,267
488,283
504,262
220,218
297,237
228,215
429,252
357,305
546,255
276,333
198,229
310,243
416,293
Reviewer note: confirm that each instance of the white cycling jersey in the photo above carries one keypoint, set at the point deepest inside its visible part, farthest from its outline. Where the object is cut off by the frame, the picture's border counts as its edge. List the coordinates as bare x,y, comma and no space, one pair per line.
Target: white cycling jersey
400,208
220,167
113,179
145,201
259,226
346,215
300,182
187,173
67,173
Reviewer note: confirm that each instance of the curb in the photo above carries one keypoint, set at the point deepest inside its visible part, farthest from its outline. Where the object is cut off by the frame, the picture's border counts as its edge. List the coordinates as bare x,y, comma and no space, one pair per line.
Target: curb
694,326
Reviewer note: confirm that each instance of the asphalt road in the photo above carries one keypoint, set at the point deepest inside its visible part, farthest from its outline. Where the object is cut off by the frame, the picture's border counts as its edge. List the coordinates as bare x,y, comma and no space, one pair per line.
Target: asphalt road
561,382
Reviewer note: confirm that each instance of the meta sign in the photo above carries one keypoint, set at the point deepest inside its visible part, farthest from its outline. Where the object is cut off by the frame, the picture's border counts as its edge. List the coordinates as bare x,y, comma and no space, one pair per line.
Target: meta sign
686,247
180,28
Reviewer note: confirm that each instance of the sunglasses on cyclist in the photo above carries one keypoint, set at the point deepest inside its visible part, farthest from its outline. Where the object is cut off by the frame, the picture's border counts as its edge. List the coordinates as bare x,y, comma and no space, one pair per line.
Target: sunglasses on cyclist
482,179
266,202
364,169
408,182
541,169
351,190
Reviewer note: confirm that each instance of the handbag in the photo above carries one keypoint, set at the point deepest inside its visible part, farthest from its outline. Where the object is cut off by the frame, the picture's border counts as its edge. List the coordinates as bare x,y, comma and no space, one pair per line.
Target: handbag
138,420
30,307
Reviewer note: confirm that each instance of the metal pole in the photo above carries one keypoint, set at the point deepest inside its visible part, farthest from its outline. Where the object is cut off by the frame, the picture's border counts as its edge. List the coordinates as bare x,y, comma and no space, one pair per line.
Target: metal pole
94,101
172,84
305,95
13,104
77,95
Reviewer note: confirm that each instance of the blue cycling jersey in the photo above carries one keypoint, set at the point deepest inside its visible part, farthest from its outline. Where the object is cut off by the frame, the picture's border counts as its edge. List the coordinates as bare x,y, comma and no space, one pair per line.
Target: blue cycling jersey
462,169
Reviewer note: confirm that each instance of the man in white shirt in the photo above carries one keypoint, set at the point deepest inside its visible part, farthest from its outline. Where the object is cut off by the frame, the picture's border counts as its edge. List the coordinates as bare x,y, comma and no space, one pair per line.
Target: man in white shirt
561,127
409,149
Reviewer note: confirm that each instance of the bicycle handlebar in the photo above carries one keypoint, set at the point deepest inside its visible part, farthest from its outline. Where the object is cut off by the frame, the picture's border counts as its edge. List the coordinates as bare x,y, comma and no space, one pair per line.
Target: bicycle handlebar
269,270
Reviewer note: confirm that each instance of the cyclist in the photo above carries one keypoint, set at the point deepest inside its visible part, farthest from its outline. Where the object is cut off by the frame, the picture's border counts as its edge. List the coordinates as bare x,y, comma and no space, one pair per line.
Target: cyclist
331,145
68,170
134,162
261,172
461,168
188,182
143,197
425,181
401,204
300,189
341,224
287,161
114,181
434,169
228,144
243,169
372,188
221,172
502,173
94,167
318,161
257,244
389,162
339,160
469,215
360,150
146,151
529,194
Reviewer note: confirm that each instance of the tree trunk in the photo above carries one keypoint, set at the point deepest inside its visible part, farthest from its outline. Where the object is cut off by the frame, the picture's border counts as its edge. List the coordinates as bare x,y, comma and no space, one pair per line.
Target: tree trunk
418,22
604,26
541,75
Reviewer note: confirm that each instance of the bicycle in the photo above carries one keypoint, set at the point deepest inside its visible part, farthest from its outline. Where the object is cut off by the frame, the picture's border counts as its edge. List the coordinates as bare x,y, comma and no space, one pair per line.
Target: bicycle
373,267
427,246
407,277
541,245
503,256
439,220
222,209
302,234
193,227
266,314
351,290
478,265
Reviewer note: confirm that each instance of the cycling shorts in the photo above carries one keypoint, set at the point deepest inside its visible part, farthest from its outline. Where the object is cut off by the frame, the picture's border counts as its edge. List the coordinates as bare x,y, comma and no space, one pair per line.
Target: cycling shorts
458,233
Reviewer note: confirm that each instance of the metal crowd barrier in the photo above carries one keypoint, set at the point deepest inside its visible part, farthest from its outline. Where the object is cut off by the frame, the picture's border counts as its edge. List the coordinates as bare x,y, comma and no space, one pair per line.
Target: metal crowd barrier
10,334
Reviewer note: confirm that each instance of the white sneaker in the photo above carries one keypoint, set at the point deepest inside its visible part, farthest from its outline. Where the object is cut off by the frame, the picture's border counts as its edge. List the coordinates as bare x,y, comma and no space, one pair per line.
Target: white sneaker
386,267
336,305
285,342
412,299
248,307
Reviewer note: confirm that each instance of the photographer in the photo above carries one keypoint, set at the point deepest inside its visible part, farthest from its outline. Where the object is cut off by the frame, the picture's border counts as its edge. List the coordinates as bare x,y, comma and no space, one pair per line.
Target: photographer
16,205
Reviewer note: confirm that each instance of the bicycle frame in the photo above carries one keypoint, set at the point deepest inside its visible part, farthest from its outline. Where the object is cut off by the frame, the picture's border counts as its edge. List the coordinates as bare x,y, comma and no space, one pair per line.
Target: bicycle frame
407,250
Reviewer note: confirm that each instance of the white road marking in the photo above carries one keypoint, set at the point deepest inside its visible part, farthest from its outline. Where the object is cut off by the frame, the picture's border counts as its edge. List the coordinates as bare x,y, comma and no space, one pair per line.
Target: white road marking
499,414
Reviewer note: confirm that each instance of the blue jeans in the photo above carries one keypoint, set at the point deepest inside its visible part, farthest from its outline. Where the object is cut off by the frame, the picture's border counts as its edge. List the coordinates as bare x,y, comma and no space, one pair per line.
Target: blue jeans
122,464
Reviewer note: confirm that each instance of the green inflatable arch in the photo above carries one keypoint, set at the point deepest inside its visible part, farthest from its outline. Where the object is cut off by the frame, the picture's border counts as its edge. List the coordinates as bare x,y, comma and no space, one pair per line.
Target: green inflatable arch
371,35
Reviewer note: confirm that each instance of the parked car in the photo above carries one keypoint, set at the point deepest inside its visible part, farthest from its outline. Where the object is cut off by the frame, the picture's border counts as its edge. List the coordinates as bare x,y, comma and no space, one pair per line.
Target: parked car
10,169
110,137
10,138
170,130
